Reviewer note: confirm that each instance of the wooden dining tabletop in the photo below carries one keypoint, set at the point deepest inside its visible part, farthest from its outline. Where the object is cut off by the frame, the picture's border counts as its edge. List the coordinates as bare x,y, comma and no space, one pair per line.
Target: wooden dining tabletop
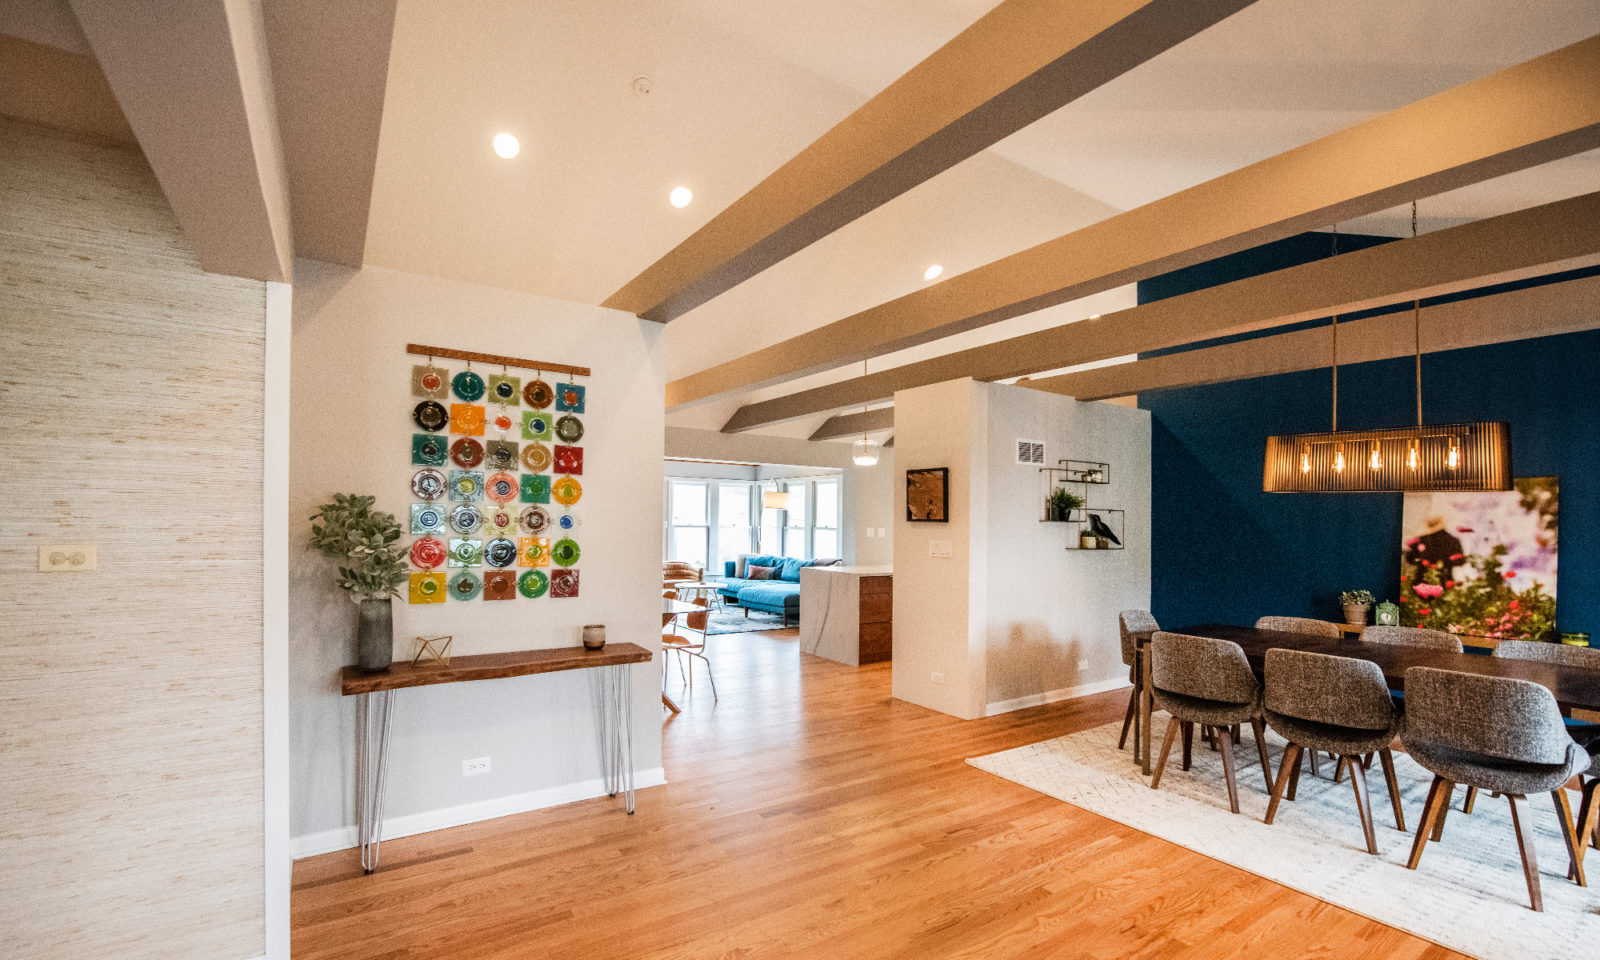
1573,687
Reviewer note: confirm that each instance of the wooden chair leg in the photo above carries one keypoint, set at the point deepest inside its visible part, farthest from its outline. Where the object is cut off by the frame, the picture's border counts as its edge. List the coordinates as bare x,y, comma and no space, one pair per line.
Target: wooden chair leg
1358,782
1260,730
1438,794
1316,768
1166,747
1225,745
1444,812
1530,858
1294,778
1471,801
1188,743
1570,835
1387,758
1339,763
1588,826
1286,767
1127,720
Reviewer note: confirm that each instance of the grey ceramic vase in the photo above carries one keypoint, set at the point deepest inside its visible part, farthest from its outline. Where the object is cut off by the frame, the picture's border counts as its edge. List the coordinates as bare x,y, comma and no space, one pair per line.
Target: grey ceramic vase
375,635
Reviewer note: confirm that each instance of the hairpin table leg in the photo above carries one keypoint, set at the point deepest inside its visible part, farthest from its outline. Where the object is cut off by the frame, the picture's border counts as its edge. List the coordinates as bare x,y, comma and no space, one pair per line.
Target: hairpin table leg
372,768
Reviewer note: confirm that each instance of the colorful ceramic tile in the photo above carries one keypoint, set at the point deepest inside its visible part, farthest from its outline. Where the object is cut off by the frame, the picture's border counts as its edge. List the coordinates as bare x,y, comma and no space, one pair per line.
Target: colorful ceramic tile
504,389
535,488
564,583
499,585
500,455
465,519
428,484
535,425
430,415
466,486
429,382
500,552
465,585
502,419
566,490
533,583
500,487
536,457
569,428
426,518
569,460
468,386
568,521
498,521
427,587
569,397
537,394
465,553
565,553
467,419
533,521
466,452
427,552
533,552
427,450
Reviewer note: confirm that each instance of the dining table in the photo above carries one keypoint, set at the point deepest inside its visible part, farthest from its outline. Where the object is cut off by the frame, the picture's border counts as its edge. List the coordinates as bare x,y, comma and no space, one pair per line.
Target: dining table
1574,688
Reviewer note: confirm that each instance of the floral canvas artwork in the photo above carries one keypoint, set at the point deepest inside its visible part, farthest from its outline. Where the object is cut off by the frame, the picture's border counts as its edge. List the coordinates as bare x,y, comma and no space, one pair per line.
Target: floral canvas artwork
1482,564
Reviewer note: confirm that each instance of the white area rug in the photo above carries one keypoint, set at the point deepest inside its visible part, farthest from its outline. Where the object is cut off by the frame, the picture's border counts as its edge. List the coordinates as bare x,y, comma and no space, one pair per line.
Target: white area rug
1467,894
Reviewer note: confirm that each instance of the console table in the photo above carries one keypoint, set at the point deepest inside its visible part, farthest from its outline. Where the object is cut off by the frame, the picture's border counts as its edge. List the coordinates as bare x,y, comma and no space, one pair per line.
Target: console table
375,707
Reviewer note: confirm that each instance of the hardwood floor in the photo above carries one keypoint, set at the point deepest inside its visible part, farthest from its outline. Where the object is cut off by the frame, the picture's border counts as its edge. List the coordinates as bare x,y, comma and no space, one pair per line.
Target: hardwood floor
810,815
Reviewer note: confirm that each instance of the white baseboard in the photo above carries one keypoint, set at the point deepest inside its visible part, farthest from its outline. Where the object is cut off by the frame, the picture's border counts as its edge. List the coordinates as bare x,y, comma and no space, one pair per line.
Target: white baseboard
344,838
1053,696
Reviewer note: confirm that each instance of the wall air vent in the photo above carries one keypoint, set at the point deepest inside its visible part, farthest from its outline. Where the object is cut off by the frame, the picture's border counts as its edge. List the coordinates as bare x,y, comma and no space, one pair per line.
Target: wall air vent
1030,452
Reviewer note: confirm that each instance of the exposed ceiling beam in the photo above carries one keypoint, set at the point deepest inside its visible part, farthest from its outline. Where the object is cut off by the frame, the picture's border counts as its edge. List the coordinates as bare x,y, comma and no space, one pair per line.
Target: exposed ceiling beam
1528,243
1523,116
1022,60
195,85
1541,311
330,68
849,424
58,88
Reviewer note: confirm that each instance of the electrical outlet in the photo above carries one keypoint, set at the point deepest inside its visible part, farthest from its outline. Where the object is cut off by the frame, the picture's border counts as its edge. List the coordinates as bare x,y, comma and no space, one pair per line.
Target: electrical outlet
1083,664
475,766
881,533
936,677
61,557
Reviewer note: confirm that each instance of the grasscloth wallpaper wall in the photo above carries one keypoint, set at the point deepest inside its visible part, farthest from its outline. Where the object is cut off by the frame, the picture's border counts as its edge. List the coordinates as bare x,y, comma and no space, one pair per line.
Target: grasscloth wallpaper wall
130,697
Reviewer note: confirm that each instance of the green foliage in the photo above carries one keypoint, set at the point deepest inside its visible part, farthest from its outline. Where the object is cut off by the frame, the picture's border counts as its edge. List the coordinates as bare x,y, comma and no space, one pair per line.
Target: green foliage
1363,597
1064,501
1488,606
366,540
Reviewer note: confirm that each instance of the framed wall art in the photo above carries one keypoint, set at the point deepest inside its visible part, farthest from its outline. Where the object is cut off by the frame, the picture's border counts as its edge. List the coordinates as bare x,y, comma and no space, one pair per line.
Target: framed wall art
928,495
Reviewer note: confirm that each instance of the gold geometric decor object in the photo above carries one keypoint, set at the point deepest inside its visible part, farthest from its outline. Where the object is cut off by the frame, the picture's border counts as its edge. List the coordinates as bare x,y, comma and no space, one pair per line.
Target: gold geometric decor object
433,650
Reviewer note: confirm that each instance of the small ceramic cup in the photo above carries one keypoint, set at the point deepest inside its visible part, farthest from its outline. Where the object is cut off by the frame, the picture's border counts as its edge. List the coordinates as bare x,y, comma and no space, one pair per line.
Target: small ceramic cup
594,636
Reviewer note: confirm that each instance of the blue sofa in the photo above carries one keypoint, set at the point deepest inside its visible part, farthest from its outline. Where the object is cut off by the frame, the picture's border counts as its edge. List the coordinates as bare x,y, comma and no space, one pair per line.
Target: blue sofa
780,596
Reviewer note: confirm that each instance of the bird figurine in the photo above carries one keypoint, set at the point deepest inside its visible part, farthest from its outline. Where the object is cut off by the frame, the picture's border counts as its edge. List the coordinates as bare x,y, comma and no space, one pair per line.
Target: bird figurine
1098,528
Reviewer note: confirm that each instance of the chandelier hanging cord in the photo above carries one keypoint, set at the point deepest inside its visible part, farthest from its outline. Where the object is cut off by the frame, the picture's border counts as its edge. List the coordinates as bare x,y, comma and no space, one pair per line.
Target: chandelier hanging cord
1335,253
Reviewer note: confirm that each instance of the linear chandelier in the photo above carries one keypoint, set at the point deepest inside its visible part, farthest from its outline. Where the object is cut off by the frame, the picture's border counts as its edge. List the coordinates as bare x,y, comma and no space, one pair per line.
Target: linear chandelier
1451,456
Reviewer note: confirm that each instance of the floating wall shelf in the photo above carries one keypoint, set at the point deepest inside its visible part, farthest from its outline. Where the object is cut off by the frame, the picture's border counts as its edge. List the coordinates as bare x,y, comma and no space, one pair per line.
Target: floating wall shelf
1102,526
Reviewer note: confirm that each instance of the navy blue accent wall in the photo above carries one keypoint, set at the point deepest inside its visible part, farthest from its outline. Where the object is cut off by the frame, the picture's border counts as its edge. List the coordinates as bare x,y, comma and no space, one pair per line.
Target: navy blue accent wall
1224,551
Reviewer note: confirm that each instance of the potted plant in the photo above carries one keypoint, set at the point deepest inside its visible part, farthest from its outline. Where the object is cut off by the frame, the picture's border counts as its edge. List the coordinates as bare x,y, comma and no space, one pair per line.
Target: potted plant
372,568
1357,604
1060,504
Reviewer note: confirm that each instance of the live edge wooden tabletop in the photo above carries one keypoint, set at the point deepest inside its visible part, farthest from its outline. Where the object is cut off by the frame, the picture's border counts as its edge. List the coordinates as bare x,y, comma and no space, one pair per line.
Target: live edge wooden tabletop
489,666
1573,687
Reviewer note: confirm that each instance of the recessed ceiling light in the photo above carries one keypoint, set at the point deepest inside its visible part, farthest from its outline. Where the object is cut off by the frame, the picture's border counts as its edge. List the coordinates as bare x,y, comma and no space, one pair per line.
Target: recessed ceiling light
680,196
506,145
1094,316
932,273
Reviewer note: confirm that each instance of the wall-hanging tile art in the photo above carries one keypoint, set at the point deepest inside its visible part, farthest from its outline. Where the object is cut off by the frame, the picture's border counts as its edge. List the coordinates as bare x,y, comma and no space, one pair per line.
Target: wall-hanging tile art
505,389
533,552
465,585
467,386
569,460
427,587
426,518
533,583
499,521
568,521
465,519
537,394
467,419
430,415
466,485
566,490
501,487
500,552
428,484
535,425
565,553
569,428
499,585
427,450
502,419
427,552
500,455
533,521
429,382
466,452
564,583
569,397
466,552
535,488
536,457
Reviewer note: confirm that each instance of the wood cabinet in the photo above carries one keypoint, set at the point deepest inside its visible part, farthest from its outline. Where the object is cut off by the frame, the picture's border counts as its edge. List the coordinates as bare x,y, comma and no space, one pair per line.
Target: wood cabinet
847,613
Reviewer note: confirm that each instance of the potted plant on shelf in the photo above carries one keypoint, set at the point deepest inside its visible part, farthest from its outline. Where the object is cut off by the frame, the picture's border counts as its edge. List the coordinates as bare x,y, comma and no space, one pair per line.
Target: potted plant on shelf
372,568
1060,504
1357,604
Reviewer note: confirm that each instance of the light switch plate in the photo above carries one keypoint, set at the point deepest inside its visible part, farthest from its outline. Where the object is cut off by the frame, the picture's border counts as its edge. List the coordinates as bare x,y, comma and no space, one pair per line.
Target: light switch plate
66,557
939,548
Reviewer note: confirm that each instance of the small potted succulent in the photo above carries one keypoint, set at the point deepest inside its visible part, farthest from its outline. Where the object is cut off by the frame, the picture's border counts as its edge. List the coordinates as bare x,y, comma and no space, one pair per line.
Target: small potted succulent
1357,605
372,568
1060,504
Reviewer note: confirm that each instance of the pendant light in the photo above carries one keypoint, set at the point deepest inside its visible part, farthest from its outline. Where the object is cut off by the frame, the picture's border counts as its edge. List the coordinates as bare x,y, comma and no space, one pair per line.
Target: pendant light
864,452
1451,456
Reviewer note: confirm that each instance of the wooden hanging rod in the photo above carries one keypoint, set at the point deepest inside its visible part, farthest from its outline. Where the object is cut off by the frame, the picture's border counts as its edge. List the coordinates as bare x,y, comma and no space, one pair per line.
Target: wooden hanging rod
496,360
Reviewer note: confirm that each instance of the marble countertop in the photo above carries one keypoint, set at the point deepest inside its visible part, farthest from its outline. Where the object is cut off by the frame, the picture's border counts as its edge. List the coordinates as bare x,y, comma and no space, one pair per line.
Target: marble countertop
884,571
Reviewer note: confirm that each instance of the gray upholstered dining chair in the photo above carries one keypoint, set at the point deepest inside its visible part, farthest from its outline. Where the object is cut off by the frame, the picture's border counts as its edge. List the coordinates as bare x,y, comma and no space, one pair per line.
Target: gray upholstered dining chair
1412,637
1307,625
1493,733
1209,682
1135,625
1587,658
1587,734
1338,704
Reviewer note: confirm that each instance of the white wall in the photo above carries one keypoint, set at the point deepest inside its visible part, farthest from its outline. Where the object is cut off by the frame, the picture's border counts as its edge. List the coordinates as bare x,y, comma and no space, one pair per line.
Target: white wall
874,506
351,430
1013,619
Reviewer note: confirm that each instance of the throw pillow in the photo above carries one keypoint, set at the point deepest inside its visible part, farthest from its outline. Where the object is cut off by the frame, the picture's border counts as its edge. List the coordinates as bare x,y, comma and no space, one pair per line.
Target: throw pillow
760,573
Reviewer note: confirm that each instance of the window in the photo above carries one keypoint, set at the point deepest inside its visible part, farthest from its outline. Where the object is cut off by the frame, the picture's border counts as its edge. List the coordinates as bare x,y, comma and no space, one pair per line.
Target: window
688,522
735,535
825,532
794,535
